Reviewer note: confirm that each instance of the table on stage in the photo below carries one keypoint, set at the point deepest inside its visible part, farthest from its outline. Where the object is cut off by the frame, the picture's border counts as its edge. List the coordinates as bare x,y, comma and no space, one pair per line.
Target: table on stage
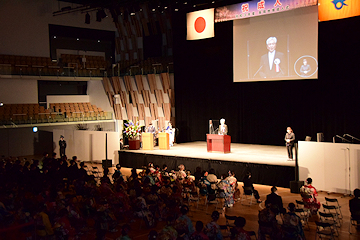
218,143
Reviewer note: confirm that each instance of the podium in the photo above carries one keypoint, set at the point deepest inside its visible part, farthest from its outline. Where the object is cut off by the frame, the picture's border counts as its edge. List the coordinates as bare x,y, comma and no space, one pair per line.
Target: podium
218,143
147,141
164,141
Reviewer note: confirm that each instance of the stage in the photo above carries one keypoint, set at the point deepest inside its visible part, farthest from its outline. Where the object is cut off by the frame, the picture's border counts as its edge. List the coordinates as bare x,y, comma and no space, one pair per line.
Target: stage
268,164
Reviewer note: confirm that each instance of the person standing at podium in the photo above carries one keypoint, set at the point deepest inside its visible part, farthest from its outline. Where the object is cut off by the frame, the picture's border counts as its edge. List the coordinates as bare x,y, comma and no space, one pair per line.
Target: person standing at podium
289,141
223,129
151,129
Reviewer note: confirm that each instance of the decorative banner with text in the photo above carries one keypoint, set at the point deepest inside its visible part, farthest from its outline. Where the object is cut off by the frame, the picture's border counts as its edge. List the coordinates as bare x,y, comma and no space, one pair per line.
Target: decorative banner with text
338,9
257,8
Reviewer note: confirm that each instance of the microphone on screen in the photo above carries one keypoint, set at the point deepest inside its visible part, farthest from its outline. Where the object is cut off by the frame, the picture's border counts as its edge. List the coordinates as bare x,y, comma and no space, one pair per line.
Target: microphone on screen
258,70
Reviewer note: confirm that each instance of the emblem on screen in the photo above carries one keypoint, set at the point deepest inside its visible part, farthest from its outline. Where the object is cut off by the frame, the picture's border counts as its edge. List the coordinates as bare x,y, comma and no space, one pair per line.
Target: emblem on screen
339,4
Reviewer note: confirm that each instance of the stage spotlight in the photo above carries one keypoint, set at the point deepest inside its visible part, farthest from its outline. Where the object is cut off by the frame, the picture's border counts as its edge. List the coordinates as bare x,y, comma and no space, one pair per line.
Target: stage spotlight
35,129
87,18
1,104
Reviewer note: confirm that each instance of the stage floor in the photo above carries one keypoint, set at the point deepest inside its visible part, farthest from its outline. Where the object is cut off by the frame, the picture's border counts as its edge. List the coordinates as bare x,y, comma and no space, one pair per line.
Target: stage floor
246,153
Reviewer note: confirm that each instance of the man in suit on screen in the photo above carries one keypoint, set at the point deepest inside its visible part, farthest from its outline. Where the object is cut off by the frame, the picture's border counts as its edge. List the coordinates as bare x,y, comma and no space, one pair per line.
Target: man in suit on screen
272,64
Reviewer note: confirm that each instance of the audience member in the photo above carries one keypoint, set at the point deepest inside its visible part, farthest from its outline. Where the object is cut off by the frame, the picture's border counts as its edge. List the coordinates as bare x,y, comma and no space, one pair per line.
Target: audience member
354,205
248,183
183,223
309,197
292,227
268,224
238,232
199,234
212,229
212,178
275,201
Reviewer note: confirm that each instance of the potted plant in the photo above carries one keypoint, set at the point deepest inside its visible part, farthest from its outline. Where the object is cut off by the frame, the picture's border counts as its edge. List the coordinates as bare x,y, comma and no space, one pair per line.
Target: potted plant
132,132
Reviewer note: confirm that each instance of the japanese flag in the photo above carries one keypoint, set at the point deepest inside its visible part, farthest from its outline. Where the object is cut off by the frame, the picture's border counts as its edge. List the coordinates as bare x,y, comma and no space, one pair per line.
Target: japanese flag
200,24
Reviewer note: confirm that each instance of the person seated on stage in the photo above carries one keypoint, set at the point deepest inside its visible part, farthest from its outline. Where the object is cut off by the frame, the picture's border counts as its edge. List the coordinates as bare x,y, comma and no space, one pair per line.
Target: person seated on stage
181,174
292,227
223,129
212,178
248,183
275,201
354,205
122,146
238,231
309,194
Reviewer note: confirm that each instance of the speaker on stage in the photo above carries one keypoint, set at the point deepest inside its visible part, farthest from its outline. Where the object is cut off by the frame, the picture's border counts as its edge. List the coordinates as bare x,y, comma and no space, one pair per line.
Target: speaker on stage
295,186
107,163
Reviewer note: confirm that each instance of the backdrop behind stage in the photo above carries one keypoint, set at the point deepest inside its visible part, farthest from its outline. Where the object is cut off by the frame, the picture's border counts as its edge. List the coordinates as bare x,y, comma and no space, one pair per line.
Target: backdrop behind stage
259,112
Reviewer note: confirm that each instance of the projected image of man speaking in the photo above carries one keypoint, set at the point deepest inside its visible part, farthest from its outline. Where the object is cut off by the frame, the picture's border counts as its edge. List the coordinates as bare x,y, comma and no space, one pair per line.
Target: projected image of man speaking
273,63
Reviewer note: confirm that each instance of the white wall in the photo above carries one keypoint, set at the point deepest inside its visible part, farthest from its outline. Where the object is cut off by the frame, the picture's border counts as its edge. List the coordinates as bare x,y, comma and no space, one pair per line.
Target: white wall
328,165
89,145
13,91
98,97
24,25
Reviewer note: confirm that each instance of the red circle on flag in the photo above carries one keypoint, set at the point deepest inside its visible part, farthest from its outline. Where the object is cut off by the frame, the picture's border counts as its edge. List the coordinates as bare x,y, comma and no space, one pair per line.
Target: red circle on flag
200,24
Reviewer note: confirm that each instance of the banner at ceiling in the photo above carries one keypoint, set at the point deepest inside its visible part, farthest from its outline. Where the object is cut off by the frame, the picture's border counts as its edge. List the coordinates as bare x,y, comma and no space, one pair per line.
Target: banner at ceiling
338,9
257,8
200,24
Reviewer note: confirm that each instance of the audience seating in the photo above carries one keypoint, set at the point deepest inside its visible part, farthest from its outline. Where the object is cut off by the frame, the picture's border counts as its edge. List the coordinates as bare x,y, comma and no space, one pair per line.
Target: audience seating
324,229
330,219
353,222
246,193
31,113
334,202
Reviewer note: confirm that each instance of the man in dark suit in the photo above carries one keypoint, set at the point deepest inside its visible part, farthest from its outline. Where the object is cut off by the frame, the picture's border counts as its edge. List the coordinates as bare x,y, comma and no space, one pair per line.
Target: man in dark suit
275,201
273,63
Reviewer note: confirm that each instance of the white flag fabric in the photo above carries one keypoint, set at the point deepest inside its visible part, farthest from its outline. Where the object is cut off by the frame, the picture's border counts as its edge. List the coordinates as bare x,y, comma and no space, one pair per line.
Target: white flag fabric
200,24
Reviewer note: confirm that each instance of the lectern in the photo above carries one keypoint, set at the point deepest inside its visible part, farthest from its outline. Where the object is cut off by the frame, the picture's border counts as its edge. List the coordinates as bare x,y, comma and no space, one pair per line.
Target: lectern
147,141
218,143
164,141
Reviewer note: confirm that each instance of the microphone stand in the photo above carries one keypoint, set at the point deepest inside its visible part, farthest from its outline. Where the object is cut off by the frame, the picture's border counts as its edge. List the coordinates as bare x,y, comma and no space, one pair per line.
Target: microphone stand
258,70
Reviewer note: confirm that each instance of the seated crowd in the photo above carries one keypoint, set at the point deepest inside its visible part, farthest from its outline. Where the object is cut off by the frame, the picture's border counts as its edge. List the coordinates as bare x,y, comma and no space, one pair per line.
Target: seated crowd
55,199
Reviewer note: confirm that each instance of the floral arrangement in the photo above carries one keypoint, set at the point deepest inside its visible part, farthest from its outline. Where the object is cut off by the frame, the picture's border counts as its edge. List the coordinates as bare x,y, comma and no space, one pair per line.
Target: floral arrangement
132,130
